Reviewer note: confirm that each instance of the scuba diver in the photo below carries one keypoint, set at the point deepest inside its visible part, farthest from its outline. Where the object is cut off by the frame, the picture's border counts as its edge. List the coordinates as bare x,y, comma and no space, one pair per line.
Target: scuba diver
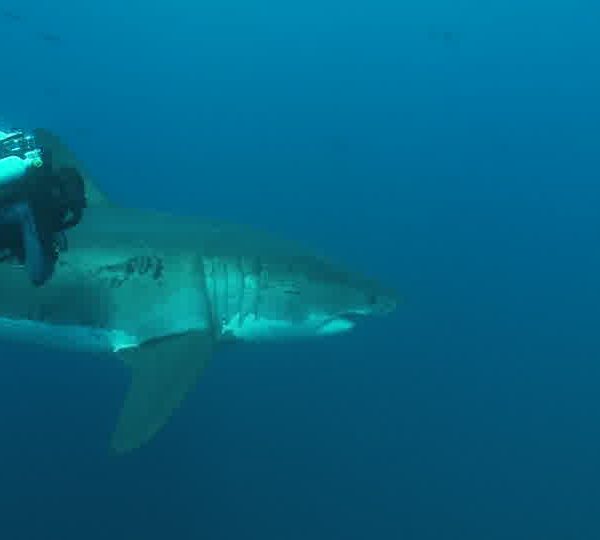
39,199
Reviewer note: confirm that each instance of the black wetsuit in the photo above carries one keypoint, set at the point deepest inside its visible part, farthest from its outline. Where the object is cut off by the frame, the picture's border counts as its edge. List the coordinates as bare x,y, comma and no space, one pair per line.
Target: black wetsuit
33,219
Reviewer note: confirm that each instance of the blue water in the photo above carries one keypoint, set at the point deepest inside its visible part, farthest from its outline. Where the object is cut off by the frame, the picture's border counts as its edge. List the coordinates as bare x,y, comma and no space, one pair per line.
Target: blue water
448,148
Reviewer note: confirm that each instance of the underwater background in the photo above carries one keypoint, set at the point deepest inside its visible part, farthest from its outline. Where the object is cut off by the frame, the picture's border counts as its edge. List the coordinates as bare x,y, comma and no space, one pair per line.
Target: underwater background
450,149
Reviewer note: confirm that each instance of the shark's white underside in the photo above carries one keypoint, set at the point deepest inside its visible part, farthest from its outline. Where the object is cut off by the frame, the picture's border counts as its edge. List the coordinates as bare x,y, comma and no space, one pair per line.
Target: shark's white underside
90,339
70,337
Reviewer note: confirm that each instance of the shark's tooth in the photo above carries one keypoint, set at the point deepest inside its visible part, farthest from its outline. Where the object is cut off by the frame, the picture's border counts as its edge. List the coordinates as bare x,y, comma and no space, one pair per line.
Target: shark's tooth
163,372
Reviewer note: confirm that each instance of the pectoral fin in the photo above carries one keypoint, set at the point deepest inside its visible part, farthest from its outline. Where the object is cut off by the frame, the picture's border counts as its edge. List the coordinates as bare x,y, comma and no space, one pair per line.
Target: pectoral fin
163,372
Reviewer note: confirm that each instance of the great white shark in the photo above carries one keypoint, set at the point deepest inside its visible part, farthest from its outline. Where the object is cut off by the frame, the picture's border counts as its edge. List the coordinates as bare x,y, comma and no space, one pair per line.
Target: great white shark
162,292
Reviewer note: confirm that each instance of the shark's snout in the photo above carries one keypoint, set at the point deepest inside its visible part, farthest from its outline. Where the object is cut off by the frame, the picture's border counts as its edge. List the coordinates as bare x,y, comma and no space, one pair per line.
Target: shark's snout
384,303
372,299
374,304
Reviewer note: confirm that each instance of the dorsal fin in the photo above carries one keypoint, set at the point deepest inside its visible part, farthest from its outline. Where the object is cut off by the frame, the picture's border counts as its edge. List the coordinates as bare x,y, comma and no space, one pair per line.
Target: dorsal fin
62,156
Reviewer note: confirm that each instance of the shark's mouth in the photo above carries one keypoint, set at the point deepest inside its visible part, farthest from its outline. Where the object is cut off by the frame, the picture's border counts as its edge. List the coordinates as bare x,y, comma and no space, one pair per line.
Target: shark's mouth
337,325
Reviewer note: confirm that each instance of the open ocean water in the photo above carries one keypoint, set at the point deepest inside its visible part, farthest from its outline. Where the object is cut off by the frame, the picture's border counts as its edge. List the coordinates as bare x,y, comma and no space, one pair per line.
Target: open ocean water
450,149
